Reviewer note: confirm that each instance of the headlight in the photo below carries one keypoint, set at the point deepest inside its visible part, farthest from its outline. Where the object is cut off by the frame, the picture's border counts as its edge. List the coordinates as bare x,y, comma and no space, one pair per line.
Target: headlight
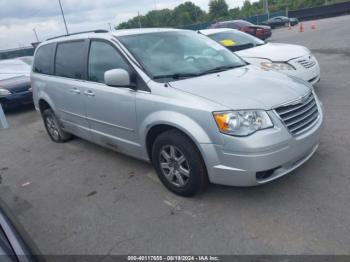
4,92
242,123
276,66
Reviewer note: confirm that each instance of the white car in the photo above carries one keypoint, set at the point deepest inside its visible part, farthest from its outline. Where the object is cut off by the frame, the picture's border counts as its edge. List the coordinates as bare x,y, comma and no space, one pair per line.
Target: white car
290,59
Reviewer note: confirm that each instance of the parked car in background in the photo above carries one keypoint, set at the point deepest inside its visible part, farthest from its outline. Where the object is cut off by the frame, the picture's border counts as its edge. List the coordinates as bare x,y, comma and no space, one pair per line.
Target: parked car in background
26,59
280,21
260,31
15,87
15,245
180,100
289,59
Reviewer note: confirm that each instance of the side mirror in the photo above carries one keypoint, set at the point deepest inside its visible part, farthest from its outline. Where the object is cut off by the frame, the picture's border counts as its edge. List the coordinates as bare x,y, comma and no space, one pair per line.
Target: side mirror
117,77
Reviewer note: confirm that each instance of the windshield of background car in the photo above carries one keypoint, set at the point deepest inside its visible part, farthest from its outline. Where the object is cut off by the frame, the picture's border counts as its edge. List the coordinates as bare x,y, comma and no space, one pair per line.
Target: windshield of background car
179,53
235,40
26,59
244,23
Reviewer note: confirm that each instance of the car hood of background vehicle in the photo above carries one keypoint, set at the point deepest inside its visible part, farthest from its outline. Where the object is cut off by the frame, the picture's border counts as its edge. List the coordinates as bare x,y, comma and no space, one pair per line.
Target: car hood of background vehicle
9,75
275,52
16,83
247,87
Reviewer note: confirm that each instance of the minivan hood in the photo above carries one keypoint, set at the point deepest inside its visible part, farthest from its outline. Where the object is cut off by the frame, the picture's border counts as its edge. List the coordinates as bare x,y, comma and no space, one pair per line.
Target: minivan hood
248,87
275,52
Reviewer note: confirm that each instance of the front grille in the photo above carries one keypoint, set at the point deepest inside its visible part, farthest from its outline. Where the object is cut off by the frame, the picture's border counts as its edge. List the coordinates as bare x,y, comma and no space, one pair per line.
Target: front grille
307,62
300,116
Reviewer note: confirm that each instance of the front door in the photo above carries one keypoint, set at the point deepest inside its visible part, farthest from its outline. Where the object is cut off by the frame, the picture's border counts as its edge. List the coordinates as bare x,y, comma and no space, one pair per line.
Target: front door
111,111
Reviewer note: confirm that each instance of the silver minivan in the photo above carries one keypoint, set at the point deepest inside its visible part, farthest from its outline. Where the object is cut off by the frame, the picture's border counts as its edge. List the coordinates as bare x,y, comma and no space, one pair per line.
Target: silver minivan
180,100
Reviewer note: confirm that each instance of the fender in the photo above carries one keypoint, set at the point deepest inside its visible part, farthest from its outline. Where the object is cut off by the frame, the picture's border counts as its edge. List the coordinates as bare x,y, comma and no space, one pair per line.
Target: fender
177,120
43,96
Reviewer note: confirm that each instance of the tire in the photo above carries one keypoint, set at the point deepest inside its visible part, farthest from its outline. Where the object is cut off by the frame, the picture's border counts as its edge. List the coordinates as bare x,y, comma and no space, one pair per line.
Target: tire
183,176
53,127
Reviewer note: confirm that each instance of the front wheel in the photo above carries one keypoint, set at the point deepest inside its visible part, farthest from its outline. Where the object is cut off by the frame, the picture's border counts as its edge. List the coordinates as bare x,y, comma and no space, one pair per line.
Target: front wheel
179,164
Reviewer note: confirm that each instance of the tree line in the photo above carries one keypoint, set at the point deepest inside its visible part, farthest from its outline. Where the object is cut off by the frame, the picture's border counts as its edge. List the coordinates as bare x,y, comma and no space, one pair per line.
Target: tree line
188,13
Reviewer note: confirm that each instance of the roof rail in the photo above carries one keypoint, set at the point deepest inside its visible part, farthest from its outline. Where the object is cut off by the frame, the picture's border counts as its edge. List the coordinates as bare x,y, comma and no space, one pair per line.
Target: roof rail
78,33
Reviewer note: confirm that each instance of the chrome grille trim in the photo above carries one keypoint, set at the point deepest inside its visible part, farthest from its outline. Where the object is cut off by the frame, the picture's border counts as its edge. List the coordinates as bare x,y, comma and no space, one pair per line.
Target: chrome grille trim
307,63
299,117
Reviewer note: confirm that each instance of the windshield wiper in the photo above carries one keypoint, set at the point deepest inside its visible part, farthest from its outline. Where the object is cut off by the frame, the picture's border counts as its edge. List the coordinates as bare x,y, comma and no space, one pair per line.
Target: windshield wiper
186,75
176,75
220,69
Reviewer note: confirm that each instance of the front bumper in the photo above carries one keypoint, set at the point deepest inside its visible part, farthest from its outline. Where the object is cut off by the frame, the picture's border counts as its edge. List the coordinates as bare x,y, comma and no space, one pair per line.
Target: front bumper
261,157
16,99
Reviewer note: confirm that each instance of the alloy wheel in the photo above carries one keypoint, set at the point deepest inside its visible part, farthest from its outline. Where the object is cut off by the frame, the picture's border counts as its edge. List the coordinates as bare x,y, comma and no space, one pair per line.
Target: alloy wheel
174,165
52,128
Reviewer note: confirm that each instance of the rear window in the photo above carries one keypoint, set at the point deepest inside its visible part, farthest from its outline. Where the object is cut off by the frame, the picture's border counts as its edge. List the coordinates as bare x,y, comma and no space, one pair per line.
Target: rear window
42,61
244,23
70,60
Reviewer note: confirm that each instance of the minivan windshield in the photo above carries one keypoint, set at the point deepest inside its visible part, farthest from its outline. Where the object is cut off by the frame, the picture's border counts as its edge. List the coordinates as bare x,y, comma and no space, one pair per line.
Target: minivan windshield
179,54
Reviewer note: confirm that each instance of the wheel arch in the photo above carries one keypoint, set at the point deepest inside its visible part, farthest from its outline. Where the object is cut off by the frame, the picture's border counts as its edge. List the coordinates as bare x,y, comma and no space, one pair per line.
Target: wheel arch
45,102
150,129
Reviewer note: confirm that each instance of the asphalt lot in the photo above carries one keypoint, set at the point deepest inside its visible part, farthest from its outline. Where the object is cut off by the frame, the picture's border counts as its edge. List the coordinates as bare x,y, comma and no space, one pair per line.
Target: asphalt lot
79,198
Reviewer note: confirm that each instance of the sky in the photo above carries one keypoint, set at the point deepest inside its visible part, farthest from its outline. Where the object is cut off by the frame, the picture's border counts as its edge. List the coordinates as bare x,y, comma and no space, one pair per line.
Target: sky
18,18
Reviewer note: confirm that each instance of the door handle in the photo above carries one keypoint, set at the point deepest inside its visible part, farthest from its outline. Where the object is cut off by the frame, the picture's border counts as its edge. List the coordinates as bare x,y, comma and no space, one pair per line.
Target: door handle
75,91
89,93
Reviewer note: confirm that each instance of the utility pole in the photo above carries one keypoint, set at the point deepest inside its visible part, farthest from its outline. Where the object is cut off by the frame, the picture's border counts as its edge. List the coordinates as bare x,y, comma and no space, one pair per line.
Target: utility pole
36,35
110,26
266,8
64,19
195,12
138,14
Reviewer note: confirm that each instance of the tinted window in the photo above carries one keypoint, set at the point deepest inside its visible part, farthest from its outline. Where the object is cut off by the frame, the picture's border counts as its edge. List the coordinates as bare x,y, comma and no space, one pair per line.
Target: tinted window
103,57
70,59
244,23
42,62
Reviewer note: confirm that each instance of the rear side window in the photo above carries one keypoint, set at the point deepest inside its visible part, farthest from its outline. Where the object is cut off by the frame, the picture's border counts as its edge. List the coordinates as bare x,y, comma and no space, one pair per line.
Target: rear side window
103,57
232,25
70,59
244,23
42,61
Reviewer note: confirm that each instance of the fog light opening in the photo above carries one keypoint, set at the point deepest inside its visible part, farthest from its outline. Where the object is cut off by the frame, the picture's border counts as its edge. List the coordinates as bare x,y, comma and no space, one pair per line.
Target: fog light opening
263,175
